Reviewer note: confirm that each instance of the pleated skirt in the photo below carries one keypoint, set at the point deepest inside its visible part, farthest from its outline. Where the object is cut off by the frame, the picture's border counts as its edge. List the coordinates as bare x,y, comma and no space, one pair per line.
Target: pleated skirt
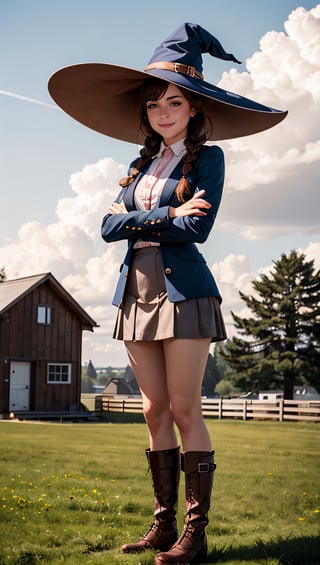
146,313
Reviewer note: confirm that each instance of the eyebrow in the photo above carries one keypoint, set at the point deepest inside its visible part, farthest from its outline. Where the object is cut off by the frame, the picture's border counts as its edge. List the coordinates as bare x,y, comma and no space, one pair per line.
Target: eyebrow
169,98
175,96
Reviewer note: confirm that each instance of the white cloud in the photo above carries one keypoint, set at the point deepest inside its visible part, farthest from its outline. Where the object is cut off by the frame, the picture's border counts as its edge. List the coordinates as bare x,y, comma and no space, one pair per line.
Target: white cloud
312,253
285,73
94,187
232,275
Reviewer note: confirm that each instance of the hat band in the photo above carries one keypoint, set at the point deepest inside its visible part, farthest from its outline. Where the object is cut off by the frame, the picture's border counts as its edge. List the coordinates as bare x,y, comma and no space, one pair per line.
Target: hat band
175,67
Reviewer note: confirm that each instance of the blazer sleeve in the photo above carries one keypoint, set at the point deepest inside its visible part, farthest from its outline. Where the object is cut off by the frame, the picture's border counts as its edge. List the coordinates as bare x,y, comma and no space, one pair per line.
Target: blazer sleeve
210,171
134,224
155,225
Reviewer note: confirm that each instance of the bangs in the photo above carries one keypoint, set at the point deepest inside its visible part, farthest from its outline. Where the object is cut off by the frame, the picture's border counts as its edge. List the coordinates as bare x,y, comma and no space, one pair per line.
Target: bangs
153,90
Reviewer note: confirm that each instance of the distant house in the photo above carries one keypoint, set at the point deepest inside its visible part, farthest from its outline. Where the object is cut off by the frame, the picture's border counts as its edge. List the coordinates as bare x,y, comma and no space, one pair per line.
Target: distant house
305,392
270,395
40,345
121,387
301,392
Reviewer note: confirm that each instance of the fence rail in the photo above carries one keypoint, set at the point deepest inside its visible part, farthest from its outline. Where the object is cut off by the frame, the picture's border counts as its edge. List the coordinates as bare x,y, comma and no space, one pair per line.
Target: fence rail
238,408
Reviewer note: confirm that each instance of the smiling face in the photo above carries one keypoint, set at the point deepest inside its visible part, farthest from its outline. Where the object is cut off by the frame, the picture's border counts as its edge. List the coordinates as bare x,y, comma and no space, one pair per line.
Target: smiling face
169,115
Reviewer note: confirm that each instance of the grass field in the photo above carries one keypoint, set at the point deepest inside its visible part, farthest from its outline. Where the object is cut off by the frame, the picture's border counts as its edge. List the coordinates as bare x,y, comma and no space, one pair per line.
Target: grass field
73,493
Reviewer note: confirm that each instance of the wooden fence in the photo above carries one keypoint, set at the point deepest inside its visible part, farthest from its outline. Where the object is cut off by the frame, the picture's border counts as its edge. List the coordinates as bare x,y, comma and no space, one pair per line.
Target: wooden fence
238,408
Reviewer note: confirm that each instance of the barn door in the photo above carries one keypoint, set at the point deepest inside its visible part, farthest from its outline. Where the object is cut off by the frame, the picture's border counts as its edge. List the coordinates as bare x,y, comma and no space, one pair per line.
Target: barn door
19,386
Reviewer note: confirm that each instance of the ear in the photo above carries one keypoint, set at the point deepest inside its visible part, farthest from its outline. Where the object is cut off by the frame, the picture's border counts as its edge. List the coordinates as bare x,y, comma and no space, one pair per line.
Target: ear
193,112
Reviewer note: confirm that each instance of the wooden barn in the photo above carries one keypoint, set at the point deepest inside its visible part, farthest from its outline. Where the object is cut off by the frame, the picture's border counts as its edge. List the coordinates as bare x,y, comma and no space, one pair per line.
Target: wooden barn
40,346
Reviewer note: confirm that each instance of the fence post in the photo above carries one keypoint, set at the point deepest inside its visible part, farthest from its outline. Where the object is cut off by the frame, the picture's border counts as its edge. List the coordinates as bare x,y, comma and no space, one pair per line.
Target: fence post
220,407
281,406
244,415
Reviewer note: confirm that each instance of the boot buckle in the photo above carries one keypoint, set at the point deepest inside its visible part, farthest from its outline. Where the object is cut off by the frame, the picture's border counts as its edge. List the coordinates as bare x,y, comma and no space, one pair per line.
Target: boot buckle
206,467
203,467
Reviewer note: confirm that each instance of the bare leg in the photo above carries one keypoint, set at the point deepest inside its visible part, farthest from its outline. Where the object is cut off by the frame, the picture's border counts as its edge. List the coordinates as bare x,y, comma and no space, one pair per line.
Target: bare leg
169,375
185,365
149,366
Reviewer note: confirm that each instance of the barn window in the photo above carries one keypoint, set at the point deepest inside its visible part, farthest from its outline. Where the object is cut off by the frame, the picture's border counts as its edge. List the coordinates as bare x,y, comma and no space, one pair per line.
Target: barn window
59,373
44,315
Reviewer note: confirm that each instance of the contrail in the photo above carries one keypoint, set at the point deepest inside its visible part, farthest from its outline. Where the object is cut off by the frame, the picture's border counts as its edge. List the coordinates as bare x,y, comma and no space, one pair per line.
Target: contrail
26,99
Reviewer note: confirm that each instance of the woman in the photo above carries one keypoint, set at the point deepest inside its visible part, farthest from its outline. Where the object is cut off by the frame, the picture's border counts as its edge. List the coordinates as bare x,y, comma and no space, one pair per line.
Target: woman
168,342
168,302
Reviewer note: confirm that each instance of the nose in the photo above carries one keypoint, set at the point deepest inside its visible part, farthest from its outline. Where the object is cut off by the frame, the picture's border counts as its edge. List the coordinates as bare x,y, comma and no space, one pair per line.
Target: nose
164,111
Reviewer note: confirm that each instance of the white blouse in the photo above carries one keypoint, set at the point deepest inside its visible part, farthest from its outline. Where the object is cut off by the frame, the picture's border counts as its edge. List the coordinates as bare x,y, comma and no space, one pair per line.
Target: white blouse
179,150
149,183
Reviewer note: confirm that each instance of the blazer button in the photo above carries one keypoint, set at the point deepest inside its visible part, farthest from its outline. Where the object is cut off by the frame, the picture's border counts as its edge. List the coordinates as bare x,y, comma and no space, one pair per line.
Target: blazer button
168,271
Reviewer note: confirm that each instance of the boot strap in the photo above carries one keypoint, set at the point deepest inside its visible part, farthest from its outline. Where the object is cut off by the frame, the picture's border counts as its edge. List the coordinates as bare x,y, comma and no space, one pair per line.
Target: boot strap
195,465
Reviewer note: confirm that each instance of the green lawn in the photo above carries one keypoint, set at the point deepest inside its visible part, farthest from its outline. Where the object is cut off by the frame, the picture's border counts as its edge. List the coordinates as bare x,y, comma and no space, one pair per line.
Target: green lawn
73,493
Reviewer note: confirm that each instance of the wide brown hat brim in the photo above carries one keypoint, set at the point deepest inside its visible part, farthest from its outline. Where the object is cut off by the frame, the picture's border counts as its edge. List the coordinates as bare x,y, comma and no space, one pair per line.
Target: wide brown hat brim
105,97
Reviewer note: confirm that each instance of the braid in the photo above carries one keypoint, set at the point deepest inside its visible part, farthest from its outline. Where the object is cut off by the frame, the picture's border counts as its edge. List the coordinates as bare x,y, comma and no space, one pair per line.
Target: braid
193,145
150,148
126,181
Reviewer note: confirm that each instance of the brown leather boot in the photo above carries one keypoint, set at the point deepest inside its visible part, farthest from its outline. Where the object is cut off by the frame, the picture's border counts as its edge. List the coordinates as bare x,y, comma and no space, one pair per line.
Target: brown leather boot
191,547
165,470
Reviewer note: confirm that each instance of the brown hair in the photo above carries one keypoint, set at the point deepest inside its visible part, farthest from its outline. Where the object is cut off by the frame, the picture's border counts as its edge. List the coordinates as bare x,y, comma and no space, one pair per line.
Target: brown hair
154,89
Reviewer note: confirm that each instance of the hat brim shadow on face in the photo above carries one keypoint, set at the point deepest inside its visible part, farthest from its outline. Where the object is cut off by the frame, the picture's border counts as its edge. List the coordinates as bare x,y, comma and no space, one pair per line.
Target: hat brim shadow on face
105,98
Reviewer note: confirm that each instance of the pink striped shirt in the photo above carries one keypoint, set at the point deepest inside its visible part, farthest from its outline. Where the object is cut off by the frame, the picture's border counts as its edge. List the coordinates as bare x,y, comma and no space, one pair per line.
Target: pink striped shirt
179,150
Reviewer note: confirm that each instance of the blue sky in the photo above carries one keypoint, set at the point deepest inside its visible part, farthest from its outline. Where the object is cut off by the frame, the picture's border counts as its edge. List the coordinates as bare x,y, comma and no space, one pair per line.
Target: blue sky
41,147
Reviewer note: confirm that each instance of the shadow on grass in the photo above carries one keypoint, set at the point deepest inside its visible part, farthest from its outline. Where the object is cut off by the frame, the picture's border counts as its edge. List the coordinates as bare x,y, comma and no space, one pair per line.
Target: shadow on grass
303,550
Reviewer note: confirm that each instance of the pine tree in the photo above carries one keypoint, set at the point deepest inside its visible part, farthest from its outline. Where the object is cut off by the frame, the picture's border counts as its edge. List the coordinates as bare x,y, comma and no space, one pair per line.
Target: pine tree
91,372
279,346
211,376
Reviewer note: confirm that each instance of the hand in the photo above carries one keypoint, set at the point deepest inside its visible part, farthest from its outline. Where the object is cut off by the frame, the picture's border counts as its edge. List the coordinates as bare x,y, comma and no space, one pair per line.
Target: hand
117,208
196,206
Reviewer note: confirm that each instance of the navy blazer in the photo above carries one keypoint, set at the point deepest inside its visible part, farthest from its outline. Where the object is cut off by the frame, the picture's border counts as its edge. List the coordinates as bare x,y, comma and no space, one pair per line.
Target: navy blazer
185,270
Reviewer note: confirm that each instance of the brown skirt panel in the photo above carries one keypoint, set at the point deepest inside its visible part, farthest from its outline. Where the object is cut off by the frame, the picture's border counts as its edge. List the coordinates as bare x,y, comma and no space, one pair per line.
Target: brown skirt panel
148,315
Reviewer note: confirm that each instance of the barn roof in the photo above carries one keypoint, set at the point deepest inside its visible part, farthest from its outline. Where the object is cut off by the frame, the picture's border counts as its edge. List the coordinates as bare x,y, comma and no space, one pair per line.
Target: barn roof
11,291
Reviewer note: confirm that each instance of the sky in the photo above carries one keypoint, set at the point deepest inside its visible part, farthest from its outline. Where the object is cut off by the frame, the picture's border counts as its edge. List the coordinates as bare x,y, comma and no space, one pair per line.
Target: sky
57,176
